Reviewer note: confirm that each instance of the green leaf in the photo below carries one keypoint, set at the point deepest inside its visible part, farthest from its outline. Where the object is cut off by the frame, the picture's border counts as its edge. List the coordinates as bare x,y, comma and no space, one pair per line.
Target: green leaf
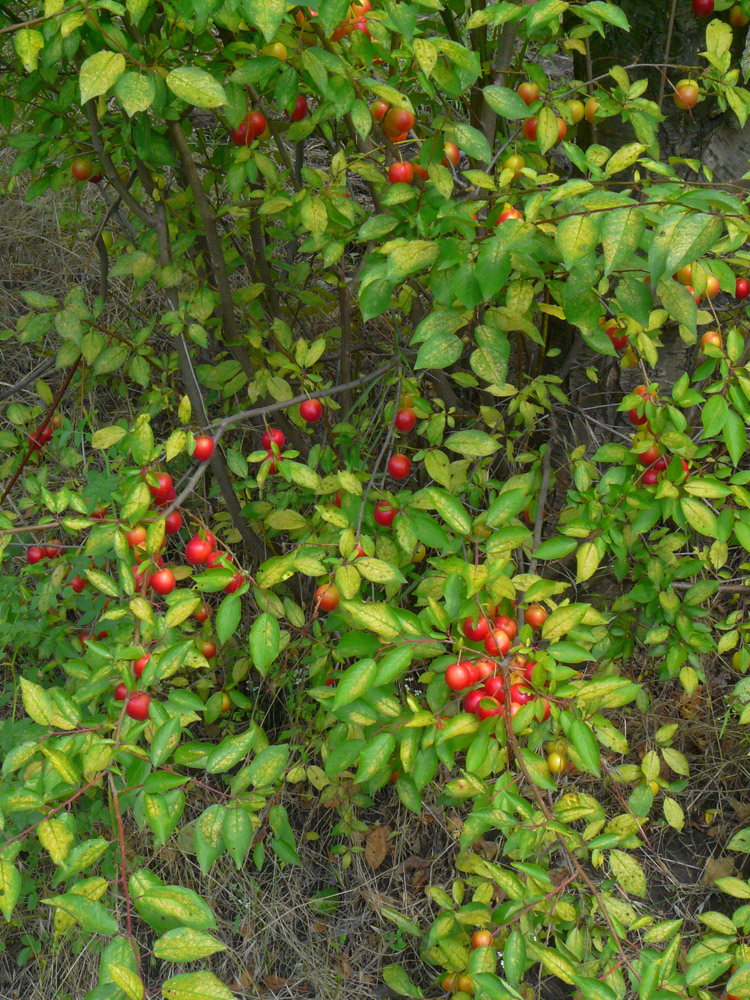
628,873
588,558
449,508
196,986
186,945
403,923
228,617
196,87
621,234
506,102
107,436
375,757
93,917
135,92
708,969
735,436
397,978
237,831
100,72
378,571
556,548
230,751
472,444
490,360
439,351
577,237
10,888
700,517
268,766
714,415
28,43
411,257
373,616
472,141
586,747
265,638
507,505
623,158
356,681
166,907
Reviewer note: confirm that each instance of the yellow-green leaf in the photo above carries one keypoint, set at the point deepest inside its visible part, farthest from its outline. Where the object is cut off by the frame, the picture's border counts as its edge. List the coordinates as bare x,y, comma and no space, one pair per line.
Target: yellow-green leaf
99,73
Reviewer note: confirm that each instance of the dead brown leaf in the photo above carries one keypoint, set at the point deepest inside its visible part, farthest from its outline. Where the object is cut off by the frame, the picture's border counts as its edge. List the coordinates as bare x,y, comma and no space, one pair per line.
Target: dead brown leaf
716,868
376,846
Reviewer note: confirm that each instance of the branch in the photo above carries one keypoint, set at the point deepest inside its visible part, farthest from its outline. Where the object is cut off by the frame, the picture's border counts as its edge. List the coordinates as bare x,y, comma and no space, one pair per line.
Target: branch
42,369
502,62
40,428
549,816
218,466
110,169
217,431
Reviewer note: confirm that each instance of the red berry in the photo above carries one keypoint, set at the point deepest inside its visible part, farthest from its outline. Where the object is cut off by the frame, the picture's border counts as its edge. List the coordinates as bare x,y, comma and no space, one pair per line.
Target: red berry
457,676
401,172
197,550
137,707
201,614
384,513
163,582
77,584
507,624
399,466
173,522
530,128
476,633
52,551
204,448
221,559
234,584
703,8
493,686
650,477
520,694
405,421
497,642
489,707
244,134
163,488
121,692
275,435
82,168
472,699
311,410
140,665
300,109
165,501
256,122
34,554
742,288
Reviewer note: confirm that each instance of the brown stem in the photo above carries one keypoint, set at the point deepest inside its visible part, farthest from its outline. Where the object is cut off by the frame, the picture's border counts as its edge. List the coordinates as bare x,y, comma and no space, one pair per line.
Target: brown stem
40,428
345,368
549,816
124,872
218,466
502,62
110,169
